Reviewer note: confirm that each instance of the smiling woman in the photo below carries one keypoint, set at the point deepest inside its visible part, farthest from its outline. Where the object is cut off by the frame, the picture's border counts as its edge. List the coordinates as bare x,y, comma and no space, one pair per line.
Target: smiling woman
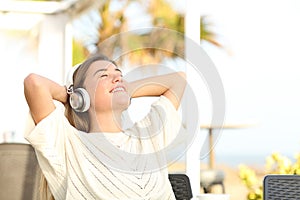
85,153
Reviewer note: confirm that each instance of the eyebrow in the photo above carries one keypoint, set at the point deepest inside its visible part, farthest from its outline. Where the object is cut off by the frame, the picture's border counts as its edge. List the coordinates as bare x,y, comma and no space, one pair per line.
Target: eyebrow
104,70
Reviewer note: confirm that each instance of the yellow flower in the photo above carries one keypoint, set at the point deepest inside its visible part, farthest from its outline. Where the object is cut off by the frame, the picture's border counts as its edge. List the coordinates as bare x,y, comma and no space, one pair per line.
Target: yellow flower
275,164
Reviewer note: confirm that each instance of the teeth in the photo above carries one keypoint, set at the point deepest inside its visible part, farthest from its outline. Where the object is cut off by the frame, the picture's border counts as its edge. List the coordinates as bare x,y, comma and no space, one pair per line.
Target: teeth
118,89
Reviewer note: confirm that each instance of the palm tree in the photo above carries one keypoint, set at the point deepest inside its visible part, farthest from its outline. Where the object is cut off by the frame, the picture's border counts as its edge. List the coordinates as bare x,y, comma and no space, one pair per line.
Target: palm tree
164,16
206,34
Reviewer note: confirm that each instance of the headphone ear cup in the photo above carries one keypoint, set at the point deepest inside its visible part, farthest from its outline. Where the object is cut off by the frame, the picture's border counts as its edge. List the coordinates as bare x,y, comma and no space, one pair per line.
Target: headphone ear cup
80,100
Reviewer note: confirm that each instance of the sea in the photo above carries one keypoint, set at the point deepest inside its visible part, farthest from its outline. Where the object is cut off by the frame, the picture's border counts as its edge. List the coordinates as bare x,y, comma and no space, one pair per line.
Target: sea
255,160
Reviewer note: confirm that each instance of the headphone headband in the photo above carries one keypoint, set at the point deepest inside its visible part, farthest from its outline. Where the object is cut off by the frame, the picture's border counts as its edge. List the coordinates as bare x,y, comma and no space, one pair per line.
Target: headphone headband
69,78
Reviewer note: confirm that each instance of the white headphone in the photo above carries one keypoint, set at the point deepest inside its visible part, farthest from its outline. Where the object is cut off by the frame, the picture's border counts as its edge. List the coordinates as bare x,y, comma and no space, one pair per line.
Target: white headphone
79,98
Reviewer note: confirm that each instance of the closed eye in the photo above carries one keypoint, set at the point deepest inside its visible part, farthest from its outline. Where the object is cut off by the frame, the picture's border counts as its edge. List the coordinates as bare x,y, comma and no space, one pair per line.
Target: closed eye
104,72
102,75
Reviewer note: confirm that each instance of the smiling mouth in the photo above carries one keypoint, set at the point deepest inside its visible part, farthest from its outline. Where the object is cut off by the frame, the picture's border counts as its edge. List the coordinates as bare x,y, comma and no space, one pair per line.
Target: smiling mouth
118,89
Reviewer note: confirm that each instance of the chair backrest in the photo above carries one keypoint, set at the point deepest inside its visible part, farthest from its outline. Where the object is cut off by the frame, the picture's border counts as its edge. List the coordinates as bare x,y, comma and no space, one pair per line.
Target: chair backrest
19,172
281,187
181,186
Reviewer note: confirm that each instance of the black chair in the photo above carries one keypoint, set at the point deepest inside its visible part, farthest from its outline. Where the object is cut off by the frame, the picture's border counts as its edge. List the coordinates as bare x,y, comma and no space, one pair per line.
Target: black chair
19,172
281,187
181,186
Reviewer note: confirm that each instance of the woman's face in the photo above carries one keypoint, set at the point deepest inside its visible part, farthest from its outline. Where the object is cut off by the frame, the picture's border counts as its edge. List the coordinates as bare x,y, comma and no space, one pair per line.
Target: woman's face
106,87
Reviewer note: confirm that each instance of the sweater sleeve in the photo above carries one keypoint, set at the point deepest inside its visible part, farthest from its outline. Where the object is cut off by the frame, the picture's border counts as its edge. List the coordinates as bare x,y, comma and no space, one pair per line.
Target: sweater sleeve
163,123
49,138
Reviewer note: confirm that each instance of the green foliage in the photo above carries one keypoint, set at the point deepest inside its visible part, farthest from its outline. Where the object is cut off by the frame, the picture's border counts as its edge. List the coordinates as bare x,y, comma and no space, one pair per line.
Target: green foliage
115,21
275,164
250,180
163,15
79,53
207,33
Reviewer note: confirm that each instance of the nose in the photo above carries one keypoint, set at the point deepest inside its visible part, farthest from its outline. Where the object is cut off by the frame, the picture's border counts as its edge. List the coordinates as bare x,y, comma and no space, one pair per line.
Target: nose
117,78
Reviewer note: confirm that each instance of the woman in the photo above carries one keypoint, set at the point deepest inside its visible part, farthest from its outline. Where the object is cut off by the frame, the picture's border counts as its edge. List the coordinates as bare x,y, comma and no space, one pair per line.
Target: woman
85,153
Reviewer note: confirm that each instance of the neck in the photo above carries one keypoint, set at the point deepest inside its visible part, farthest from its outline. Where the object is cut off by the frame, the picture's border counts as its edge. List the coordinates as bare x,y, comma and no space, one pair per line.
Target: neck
106,122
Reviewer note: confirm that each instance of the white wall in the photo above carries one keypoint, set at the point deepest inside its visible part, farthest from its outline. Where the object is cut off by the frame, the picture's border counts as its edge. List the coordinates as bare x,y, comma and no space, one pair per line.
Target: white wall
43,45
19,56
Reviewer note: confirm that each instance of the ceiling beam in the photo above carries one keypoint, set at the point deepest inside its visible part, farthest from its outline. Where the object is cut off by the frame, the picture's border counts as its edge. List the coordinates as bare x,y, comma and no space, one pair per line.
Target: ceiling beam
74,7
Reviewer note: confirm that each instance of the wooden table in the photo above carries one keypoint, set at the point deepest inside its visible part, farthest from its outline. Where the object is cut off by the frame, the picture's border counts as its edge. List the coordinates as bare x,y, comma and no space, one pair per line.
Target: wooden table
210,129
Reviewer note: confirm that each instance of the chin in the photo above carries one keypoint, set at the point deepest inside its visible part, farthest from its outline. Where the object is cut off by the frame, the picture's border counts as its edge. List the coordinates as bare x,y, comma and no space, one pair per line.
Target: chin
121,103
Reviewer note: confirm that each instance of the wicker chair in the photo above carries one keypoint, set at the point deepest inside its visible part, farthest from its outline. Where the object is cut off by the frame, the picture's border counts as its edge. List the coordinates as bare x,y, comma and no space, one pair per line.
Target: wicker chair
19,172
281,187
181,186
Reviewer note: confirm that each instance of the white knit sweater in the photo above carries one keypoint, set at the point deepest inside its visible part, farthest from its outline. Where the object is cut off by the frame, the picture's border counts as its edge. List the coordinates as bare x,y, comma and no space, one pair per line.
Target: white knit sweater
107,166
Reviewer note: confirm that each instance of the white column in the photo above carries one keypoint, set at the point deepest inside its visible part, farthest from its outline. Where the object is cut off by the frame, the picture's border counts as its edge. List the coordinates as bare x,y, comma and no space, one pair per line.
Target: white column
55,47
192,31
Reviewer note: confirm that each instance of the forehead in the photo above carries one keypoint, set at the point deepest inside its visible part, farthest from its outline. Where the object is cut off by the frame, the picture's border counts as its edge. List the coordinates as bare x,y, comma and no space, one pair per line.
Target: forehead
101,64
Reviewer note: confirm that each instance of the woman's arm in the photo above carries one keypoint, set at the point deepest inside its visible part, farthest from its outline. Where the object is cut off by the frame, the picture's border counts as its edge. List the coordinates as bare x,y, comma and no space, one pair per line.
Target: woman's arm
39,93
170,85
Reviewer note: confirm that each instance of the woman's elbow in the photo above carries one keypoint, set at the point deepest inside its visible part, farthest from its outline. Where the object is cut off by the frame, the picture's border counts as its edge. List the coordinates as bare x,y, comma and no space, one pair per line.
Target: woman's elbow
31,83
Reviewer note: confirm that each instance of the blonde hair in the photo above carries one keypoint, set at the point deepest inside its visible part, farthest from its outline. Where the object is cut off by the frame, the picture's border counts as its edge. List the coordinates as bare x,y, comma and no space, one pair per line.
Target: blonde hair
77,119
45,193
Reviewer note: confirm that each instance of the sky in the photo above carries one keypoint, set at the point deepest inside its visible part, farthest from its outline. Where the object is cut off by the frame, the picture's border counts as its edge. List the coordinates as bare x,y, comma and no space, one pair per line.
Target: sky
260,75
